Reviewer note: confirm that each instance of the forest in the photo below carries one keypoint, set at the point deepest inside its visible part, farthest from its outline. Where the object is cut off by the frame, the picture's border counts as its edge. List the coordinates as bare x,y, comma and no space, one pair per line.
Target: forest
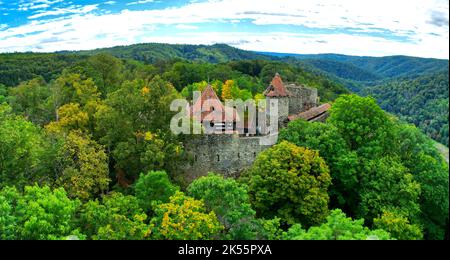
422,101
86,153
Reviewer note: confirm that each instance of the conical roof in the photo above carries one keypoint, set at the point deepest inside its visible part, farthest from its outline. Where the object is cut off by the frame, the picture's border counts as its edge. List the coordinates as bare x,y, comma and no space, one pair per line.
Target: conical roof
277,88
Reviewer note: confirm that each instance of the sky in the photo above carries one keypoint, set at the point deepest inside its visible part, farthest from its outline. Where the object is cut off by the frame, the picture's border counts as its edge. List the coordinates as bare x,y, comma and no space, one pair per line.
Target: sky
353,27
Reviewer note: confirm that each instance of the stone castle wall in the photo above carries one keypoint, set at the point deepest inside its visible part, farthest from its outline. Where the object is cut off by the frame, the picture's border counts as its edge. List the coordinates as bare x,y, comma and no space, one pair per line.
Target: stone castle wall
231,154
302,98
283,108
221,153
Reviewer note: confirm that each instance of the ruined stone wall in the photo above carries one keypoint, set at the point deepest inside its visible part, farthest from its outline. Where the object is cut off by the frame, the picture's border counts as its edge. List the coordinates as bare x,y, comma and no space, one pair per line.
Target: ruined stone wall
283,108
225,154
302,99
231,154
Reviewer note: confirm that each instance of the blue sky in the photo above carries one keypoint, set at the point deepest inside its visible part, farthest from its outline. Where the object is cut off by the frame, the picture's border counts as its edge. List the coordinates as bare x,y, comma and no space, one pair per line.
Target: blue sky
354,27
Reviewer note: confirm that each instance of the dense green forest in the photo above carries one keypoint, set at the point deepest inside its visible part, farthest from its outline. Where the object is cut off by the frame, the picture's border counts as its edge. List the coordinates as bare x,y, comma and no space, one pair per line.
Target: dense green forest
86,152
414,89
422,101
154,52
369,68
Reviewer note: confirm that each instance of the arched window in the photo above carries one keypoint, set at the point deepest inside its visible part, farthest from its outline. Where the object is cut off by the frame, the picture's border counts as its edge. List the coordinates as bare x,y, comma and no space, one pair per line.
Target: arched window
218,158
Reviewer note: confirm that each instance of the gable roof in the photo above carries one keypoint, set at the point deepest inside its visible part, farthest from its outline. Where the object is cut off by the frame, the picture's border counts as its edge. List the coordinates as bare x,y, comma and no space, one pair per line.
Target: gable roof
312,113
277,88
212,103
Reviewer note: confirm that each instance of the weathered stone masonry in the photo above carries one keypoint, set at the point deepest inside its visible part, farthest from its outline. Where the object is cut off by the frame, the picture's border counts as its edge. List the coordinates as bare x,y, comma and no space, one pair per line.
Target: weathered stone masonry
230,154
221,153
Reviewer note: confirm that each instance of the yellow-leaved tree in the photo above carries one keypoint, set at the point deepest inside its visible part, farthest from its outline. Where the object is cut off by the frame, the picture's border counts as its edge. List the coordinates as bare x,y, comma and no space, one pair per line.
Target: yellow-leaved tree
226,89
184,218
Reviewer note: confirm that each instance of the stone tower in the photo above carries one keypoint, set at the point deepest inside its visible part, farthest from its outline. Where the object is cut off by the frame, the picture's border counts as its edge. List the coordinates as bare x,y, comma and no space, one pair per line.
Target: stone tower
276,91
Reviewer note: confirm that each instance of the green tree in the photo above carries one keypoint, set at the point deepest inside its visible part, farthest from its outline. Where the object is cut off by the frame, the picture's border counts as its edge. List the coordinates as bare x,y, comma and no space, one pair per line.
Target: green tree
72,88
398,226
118,217
26,155
229,200
134,124
29,99
362,123
8,219
84,167
153,188
39,213
425,163
337,227
290,182
387,185
184,218
343,163
107,72
70,117
3,93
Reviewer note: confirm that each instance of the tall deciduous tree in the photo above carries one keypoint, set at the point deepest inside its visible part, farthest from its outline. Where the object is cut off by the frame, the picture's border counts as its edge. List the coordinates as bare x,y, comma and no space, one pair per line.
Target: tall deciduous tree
226,89
343,163
229,200
84,164
30,100
426,164
398,225
118,217
290,182
134,124
26,156
337,227
38,213
184,218
107,71
388,186
153,188
362,123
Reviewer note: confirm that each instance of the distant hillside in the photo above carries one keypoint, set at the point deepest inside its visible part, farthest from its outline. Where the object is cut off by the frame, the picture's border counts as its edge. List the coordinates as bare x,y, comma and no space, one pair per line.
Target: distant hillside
423,101
180,64
367,69
153,52
18,67
343,70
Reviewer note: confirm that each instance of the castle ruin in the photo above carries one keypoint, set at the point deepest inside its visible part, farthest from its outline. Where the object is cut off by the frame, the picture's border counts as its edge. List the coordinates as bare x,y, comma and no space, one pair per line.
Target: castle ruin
231,153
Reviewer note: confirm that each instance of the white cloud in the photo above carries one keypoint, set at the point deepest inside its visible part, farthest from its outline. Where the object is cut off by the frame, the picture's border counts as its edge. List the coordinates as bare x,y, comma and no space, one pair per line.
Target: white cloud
141,2
186,27
424,23
62,11
306,43
110,2
3,26
36,4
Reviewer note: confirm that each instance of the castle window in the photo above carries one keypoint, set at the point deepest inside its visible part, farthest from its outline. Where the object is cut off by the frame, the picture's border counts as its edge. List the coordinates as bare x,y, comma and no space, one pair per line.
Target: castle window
218,158
254,154
195,158
239,155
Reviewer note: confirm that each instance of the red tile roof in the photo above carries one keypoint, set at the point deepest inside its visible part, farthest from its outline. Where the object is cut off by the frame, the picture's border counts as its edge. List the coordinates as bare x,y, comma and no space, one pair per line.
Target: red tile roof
214,111
277,88
311,113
